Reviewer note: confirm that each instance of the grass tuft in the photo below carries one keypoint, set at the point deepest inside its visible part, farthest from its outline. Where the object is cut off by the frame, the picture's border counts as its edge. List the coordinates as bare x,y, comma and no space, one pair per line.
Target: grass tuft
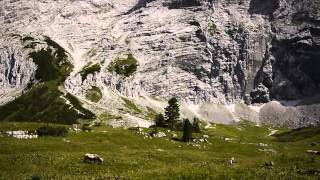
94,94
131,106
124,67
89,70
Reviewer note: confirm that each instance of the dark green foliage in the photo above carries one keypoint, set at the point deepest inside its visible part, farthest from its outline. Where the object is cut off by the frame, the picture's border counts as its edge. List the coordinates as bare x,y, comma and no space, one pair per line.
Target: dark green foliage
160,121
52,131
43,104
124,67
35,177
187,130
90,70
94,94
46,69
196,125
298,134
52,65
179,126
172,113
60,53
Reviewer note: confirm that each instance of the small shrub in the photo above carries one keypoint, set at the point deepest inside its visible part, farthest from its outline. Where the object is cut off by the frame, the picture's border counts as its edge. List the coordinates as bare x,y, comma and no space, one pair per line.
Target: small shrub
196,125
94,94
159,120
124,67
52,131
89,70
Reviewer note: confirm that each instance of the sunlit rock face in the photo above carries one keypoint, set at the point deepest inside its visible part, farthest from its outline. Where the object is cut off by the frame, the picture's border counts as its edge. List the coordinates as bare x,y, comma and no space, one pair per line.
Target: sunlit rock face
201,51
16,69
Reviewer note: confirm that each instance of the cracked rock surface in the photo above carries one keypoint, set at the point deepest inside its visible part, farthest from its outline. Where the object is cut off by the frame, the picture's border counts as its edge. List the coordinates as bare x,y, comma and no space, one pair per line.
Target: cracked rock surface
201,51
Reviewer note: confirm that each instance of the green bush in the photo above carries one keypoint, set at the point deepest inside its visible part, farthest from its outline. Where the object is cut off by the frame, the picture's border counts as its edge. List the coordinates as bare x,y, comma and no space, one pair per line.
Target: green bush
160,121
89,70
124,67
94,94
52,131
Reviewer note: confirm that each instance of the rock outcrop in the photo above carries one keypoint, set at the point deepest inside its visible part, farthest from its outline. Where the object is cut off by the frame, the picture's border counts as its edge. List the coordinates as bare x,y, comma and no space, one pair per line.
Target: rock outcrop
201,51
17,70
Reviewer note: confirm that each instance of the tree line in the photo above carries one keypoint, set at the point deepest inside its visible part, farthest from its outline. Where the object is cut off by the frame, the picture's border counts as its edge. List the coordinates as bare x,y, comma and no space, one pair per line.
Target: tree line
171,120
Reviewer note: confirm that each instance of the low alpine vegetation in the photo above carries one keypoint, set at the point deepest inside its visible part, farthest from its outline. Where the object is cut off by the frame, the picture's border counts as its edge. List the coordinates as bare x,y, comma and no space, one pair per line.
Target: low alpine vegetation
89,70
124,66
94,94
52,131
44,102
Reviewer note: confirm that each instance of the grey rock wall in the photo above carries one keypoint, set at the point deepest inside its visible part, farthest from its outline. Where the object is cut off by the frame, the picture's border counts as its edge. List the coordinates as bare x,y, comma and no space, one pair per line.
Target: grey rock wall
17,70
201,51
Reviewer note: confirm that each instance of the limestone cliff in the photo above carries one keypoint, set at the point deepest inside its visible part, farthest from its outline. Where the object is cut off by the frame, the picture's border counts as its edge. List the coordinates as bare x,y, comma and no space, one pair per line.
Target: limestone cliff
201,51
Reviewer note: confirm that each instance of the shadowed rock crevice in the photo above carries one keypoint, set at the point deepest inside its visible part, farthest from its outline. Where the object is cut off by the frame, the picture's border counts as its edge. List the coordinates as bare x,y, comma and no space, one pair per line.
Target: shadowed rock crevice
177,4
264,7
298,61
139,5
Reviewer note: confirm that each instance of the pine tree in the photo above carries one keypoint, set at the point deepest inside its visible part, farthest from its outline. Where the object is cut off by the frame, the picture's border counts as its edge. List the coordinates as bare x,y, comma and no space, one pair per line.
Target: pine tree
196,125
159,120
172,112
187,130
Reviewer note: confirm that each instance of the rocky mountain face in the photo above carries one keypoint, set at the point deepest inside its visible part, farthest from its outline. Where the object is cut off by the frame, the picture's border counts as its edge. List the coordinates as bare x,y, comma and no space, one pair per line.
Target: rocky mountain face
208,53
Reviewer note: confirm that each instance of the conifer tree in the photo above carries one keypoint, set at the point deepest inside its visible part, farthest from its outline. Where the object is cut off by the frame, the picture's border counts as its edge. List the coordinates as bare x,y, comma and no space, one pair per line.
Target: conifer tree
159,120
172,113
187,130
196,125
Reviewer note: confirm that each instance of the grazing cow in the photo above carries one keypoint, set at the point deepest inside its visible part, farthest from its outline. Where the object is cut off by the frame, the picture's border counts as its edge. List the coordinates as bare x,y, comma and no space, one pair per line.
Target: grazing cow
88,158
269,164
232,161
313,152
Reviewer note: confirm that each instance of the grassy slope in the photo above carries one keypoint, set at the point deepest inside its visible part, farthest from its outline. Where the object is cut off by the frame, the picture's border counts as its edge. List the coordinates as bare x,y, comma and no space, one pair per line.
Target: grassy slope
128,155
43,102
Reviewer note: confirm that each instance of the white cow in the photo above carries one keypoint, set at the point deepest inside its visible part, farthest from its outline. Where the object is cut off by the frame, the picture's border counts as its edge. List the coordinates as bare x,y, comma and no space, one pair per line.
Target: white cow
88,158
